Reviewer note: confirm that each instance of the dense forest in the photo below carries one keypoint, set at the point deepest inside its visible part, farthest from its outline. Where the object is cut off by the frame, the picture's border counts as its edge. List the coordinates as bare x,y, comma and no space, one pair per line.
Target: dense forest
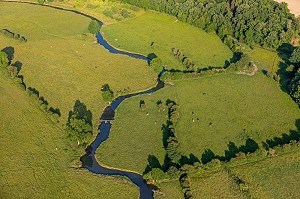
263,22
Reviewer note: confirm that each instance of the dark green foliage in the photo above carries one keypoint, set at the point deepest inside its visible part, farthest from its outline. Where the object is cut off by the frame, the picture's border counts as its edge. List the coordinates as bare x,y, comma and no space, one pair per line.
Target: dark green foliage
41,1
156,64
107,93
264,22
156,174
4,61
13,35
295,58
94,27
244,61
79,125
295,88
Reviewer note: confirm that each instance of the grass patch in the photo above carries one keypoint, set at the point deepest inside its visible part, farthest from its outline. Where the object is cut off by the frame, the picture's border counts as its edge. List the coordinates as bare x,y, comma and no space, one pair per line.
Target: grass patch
276,177
213,112
166,32
35,157
265,59
169,190
218,185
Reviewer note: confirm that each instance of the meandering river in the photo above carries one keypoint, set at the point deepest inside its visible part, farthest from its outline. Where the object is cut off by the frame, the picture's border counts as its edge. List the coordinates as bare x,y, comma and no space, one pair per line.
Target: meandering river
88,160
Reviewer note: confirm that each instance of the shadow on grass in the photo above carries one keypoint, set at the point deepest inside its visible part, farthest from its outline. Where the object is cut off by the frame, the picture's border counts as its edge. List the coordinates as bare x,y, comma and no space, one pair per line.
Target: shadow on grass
284,52
10,51
81,111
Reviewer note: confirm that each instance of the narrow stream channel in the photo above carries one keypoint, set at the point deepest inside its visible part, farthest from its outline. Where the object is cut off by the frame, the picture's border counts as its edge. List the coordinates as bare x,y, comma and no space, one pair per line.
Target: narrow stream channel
88,160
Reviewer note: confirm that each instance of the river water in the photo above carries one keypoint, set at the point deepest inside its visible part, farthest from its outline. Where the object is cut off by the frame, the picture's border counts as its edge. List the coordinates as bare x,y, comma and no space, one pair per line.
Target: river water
88,160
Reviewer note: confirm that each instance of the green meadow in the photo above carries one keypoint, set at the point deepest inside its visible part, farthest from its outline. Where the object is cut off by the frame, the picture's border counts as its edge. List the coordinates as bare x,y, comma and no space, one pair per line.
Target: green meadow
214,111
63,62
276,177
35,156
166,32
218,185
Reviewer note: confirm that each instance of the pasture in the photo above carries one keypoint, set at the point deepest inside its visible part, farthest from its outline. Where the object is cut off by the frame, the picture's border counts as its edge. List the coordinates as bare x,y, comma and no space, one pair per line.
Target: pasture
35,156
63,62
276,177
164,33
218,185
214,111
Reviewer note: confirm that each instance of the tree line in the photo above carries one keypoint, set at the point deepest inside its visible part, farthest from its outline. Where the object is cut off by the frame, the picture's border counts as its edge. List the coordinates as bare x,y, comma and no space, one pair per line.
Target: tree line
262,22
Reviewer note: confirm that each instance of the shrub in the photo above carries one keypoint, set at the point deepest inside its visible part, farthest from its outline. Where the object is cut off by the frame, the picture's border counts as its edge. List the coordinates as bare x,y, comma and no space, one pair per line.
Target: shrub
94,27
4,61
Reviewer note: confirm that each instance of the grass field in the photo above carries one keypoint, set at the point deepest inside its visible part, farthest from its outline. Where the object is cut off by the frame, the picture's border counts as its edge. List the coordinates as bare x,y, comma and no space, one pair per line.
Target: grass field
62,64
274,177
35,156
167,33
265,59
169,190
225,108
218,185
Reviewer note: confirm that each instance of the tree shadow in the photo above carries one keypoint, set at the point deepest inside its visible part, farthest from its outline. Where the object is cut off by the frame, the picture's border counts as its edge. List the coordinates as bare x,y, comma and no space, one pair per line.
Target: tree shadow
10,52
44,101
81,112
18,65
87,159
207,156
151,56
192,159
284,52
55,110
153,162
35,91
285,138
21,77
166,133
108,114
249,147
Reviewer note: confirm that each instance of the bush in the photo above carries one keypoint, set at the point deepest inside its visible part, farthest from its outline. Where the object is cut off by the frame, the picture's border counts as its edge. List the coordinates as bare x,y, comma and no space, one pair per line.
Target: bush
107,93
94,27
4,61
156,64
41,1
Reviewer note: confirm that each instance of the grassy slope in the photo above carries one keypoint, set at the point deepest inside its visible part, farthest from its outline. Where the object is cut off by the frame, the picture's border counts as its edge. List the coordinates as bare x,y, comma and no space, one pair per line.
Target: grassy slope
218,185
64,66
274,177
137,34
237,106
30,165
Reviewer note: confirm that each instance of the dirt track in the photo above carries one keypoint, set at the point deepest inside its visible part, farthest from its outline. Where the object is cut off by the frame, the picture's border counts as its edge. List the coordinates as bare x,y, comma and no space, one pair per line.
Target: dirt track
294,6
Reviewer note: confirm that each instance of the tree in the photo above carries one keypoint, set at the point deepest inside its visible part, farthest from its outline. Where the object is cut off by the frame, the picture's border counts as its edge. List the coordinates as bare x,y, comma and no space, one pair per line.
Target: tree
295,57
107,93
4,61
156,64
295,88
94,27
79,125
